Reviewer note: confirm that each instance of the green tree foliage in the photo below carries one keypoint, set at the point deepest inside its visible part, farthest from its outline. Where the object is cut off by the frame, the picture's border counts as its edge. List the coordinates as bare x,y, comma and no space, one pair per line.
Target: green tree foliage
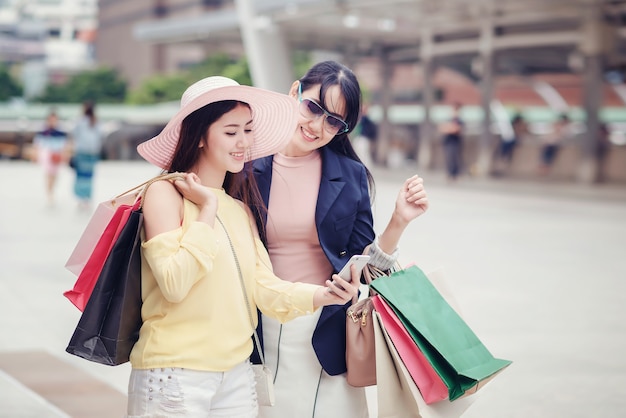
105,86
9,87
301,62
159,88
221,64
162,88
102,85
238,69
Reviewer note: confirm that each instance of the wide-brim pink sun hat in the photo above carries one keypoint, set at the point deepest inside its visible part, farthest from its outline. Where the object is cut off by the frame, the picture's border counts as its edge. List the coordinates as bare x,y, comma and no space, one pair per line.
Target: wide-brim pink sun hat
274,118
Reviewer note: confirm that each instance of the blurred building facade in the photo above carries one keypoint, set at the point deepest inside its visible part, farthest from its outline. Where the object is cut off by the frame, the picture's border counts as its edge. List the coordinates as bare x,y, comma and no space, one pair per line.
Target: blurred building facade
413,57
561,54
45,41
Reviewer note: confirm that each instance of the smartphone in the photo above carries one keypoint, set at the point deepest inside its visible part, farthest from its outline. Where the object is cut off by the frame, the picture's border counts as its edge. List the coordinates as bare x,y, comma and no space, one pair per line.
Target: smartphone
359,261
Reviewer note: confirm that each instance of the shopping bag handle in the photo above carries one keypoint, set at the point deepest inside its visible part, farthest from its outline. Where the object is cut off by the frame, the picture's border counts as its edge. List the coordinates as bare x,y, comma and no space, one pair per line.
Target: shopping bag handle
144,187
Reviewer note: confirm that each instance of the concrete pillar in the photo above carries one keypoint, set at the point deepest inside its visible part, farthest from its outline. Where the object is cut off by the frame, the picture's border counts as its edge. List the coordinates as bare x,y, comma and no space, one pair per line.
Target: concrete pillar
427,129
596,41
588,170
482,166
266,48
384,126
485,142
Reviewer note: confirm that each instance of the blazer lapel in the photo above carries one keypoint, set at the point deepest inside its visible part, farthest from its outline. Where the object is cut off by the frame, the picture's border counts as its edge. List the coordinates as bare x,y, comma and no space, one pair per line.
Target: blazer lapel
330,185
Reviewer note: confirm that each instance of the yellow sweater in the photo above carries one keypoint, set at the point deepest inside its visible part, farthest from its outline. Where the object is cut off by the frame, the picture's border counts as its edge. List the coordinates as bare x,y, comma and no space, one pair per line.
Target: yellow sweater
194,313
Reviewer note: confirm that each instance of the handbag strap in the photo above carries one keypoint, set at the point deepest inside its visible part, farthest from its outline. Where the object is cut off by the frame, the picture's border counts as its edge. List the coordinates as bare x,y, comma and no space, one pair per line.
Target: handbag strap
245,295
371,273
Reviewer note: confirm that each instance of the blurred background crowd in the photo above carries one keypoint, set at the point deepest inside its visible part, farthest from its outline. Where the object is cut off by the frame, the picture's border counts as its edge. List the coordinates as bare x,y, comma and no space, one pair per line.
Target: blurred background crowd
533,89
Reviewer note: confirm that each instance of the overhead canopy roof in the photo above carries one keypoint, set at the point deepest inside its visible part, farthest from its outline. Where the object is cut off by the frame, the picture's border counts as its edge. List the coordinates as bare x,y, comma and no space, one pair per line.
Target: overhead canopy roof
527,36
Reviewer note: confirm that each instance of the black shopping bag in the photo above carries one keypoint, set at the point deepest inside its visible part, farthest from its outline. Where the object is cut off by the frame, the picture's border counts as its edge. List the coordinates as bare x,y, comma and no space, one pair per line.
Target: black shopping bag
110,323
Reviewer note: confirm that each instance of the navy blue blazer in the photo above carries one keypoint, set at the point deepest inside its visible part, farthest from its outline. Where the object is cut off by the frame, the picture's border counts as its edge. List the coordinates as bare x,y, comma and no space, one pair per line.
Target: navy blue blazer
343,217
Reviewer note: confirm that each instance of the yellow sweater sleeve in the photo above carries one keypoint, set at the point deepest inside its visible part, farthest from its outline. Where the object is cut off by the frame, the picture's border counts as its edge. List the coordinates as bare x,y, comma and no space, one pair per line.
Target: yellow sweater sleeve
179,259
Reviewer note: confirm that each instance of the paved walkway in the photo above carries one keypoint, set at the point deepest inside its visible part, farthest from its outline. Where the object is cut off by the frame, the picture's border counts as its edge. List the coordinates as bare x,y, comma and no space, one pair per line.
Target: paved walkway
537,268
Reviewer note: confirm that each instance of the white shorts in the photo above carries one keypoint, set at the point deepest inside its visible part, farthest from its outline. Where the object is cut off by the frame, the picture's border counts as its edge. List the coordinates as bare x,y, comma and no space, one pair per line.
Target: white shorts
175,392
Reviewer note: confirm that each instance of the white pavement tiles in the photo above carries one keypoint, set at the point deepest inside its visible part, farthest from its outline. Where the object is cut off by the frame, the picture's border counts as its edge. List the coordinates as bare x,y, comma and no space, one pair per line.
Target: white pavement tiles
17,401
537,269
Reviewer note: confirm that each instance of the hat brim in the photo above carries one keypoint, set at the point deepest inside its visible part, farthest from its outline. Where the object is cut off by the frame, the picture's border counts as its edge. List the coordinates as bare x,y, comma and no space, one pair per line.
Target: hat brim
274,121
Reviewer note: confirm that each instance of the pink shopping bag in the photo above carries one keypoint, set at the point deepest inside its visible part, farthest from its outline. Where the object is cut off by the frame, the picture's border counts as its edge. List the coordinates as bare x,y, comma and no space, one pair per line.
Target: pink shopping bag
94,231
430,385
80,293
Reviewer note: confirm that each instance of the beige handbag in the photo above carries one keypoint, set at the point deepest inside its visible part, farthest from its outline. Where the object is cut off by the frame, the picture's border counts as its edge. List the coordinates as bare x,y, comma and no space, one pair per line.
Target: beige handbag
360,349
360,342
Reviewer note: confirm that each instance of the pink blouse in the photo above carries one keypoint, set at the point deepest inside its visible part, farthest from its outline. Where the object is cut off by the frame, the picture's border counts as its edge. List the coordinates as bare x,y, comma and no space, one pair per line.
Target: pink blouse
292,240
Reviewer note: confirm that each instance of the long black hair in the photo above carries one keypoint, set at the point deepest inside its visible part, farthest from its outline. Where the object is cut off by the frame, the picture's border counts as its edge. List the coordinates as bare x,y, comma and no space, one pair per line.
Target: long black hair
332,73
193,132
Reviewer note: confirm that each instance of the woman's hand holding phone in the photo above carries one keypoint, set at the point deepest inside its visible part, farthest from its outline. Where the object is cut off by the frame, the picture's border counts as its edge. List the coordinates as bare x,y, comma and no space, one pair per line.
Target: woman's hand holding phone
338,290
360,261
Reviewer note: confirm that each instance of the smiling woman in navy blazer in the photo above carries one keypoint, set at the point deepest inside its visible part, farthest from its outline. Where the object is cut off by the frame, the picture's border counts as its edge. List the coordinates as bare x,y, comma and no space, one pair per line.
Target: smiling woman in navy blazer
317,196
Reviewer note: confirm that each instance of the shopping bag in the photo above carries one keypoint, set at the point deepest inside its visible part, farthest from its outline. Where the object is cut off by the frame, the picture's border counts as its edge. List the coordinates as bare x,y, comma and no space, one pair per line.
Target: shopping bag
79,294
110,323
94,230
452,348
430,385
109,326
98,238
397,394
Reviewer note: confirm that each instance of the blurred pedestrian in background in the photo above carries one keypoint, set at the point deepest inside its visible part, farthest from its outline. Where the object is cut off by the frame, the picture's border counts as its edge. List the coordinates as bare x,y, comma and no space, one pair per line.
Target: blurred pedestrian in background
507,145
51,150
552,144
366,135
87,146
603,147
453,143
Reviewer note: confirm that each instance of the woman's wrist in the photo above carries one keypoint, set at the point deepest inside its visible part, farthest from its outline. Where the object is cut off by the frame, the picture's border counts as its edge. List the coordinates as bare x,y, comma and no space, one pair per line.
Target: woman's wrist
380,258
398,221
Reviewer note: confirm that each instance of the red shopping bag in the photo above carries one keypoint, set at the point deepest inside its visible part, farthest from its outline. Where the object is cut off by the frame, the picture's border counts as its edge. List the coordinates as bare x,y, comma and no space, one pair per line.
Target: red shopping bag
429,383
79,294
94,230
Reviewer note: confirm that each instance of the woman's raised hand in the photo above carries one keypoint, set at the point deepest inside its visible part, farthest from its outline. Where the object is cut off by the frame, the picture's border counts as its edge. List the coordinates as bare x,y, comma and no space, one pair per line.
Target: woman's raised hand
412,200
192,189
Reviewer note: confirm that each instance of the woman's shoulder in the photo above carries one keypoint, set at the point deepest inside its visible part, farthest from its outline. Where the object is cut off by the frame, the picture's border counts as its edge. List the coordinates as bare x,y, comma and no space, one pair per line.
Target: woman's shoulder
162,192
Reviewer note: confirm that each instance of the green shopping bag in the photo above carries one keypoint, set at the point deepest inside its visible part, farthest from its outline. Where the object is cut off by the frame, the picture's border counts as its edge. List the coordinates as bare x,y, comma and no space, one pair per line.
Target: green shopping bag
452,348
